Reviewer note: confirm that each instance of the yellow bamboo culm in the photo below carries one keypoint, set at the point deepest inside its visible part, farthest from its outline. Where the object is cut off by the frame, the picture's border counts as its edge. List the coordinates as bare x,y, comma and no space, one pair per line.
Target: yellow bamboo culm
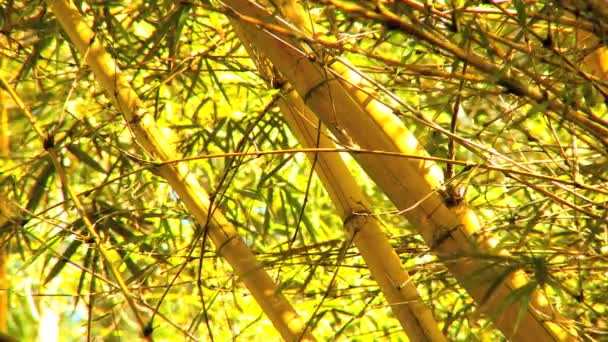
339,98
353,207
142,124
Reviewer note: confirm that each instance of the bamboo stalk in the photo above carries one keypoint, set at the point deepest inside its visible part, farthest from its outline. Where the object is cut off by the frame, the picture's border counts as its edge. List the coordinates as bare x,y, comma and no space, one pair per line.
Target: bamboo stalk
142,124
353,207
358,120
384,264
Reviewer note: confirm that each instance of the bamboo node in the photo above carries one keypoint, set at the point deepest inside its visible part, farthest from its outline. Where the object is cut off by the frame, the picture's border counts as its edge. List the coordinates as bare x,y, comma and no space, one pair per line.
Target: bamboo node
315,87
441,235
354,222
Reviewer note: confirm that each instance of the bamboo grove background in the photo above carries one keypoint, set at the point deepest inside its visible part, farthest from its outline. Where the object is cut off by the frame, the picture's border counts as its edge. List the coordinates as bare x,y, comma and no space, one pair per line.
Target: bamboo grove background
304,170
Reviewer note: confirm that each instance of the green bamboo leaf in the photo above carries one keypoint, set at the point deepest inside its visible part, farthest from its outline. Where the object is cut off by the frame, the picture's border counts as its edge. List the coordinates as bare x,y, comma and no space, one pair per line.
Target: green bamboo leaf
125,256
520,7
541,272
217,129
33,59
217,82
267,176
87,264
498,280
267,211
39,189
63,259
45,247
523,296
85,157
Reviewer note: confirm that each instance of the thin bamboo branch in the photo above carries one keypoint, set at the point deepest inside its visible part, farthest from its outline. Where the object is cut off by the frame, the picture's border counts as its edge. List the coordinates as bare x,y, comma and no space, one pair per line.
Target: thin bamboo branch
357,119
142,124
504,168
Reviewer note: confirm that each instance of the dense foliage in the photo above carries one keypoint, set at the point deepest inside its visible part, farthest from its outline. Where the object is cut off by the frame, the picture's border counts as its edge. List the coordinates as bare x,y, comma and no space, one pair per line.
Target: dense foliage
515,82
